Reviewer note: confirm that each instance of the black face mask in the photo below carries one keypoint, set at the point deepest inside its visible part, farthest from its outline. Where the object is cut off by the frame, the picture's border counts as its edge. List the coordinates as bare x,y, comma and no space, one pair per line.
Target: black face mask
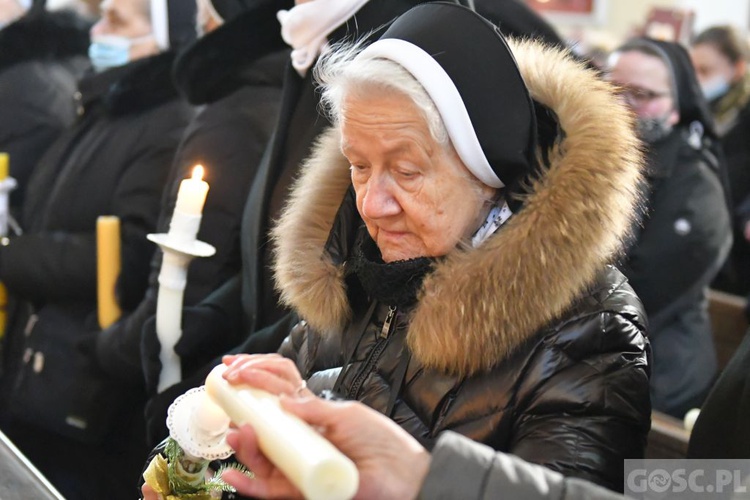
654,129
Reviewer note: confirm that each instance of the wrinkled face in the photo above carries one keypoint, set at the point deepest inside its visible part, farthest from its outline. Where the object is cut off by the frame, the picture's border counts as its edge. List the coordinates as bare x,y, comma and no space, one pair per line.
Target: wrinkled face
129,19
646,84
415,196
710,63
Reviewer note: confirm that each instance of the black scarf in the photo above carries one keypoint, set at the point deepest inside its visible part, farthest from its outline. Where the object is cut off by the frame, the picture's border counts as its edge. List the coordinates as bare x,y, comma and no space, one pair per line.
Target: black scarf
394,283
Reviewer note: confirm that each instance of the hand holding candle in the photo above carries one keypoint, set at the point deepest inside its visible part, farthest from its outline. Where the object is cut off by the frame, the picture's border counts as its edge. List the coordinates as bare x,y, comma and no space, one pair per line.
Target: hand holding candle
310,462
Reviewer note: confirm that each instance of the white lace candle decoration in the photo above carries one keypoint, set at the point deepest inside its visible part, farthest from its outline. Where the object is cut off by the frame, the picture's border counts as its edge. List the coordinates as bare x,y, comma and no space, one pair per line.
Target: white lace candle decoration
180,245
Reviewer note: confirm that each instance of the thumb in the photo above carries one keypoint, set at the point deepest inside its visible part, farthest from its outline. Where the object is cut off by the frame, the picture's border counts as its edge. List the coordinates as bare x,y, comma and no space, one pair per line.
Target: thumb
315,411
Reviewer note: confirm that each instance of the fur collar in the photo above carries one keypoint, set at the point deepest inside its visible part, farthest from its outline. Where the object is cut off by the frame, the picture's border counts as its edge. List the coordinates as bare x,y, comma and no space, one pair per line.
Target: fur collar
44,36
573,221
135,87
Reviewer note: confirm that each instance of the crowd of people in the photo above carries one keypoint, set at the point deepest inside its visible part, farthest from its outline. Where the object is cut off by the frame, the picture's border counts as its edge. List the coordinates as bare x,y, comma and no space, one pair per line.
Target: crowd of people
431,209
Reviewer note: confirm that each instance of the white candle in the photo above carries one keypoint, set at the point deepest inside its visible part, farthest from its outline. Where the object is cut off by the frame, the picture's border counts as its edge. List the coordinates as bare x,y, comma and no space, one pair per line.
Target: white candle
310,462
192,194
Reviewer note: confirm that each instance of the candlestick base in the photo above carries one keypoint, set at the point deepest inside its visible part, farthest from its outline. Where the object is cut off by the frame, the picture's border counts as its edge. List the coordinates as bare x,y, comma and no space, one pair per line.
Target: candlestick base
200,432
195,248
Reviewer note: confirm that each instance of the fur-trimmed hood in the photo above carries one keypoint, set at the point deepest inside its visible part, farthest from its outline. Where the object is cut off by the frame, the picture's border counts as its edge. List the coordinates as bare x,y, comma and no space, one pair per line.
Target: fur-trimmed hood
572,223
44,36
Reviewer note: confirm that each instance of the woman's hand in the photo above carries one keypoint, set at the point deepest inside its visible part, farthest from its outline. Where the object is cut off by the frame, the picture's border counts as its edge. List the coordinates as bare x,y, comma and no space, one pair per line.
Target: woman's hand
149,493
270,372
391,463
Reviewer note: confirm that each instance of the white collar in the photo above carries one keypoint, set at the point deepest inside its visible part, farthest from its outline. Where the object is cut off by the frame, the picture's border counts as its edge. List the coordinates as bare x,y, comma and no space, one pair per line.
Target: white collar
306,26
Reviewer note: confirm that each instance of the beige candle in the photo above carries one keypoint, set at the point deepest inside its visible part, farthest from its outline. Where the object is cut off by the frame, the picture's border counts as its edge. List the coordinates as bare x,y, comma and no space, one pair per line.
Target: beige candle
108,260
310,462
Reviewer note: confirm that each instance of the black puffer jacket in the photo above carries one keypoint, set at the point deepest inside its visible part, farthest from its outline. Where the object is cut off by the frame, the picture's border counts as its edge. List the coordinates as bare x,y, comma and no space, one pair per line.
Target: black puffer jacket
528,343
42,55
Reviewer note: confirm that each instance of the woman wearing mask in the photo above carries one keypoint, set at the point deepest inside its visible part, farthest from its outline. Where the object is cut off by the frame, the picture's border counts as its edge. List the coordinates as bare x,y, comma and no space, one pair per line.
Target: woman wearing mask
720,56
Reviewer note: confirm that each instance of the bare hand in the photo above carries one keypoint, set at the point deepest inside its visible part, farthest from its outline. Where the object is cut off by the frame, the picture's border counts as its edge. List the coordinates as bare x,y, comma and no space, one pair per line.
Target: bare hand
148,493
271,372
391,463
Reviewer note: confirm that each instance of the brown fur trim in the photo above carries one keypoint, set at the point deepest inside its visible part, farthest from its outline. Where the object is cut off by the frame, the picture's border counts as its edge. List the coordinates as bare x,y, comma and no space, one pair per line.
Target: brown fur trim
481,304
308,281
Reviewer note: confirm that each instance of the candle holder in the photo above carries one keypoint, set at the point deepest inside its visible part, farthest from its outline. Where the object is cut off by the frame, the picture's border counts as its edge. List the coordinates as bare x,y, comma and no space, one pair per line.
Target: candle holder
180,245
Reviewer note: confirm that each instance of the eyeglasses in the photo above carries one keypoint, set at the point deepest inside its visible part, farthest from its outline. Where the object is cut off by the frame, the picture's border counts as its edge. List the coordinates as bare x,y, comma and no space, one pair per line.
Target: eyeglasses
639,95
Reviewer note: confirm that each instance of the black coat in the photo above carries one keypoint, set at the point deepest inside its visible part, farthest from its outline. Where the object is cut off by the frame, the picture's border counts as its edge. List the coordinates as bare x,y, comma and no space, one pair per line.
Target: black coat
722,429
41,58
240,100
680,247
113,161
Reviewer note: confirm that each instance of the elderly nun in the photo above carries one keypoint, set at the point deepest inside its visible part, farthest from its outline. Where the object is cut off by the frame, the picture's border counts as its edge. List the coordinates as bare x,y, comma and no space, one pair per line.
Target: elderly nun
447,246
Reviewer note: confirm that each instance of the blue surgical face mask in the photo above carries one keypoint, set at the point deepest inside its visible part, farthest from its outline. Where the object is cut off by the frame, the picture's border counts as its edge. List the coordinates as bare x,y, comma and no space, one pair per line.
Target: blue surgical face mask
715,88
111,51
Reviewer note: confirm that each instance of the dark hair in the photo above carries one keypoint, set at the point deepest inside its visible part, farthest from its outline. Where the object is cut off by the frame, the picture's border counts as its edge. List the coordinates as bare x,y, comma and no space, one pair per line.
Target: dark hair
726,39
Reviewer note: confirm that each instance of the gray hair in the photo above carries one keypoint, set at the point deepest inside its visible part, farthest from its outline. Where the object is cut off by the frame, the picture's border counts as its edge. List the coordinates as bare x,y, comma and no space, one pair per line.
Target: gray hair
339,73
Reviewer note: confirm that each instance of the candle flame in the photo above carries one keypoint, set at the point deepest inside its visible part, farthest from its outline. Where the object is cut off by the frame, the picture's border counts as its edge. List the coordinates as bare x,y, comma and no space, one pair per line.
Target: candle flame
198,172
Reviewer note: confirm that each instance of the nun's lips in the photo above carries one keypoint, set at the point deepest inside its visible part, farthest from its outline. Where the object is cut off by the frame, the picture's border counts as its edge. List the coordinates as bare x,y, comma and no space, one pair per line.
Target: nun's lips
391,235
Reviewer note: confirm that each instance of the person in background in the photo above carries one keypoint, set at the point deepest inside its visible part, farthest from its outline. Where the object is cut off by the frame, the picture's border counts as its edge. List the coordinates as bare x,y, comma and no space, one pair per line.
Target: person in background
42,56
685,234
720,56
113,160
234,72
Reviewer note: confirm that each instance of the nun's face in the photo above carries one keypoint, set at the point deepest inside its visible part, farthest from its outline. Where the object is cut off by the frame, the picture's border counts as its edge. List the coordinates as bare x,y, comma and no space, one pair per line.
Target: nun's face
646,85
415,196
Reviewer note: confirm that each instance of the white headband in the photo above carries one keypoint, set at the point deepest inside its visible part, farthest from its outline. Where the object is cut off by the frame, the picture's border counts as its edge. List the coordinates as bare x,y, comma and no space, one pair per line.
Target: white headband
446,97
160,23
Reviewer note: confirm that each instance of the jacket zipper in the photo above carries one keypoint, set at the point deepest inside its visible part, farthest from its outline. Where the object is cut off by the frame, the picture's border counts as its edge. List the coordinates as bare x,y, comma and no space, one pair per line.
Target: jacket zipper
372,359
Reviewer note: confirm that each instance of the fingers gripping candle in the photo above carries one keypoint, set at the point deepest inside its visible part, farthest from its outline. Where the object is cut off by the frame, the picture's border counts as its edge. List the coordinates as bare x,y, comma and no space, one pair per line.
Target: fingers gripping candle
180,246
309,461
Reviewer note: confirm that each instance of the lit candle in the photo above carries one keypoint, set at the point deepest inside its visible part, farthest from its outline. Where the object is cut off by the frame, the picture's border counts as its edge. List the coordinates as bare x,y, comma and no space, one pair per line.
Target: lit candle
108,266
192,194
309,461
180,245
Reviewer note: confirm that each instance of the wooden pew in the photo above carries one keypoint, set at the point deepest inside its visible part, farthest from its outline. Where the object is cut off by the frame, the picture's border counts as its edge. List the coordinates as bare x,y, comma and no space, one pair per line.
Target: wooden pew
668,437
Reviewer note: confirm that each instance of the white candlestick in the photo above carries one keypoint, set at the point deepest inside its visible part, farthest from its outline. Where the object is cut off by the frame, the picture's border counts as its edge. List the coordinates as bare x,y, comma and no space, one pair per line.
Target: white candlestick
180,246
310,462
192,193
